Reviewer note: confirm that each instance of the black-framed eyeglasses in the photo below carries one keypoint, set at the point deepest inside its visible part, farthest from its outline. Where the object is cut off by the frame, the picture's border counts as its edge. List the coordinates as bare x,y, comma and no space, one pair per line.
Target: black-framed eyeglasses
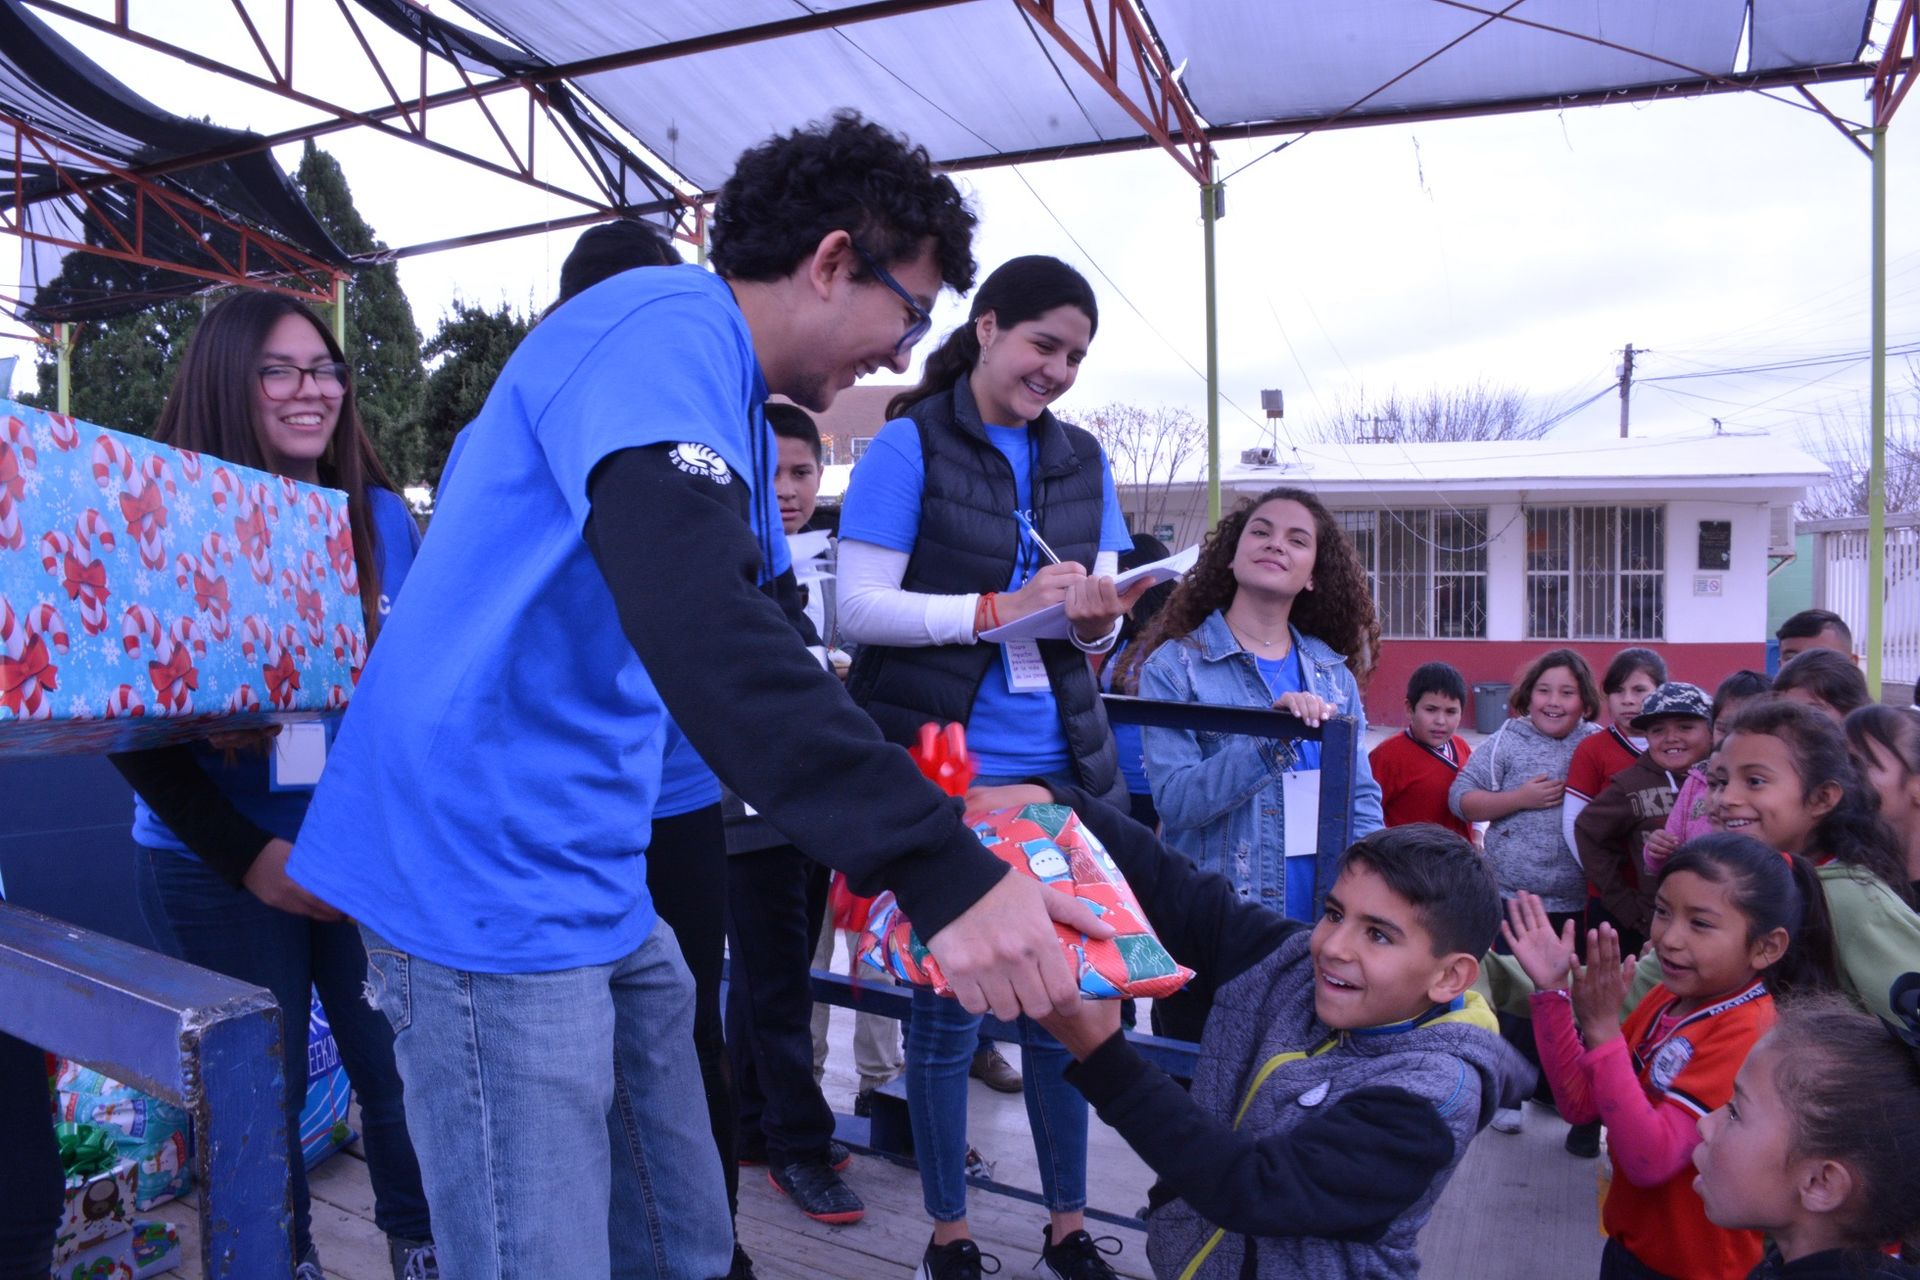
283,381
922,318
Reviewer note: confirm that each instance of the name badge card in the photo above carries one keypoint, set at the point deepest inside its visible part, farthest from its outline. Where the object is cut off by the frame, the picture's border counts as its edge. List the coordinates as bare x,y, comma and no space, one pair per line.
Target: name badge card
1026,669
299,756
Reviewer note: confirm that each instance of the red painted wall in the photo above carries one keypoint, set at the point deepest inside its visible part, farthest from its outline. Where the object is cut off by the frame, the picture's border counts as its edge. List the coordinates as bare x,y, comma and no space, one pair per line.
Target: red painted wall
1488,661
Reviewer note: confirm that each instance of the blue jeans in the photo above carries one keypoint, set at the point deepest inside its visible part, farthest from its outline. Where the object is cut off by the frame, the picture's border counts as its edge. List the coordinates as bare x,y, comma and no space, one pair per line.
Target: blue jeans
202,919
559,1116
941,1041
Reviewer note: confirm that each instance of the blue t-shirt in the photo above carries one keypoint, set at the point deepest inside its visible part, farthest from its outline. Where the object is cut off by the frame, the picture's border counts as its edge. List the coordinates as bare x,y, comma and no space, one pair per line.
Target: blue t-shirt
246,780
1288,675
1126,737
488,803
686,783
1009,733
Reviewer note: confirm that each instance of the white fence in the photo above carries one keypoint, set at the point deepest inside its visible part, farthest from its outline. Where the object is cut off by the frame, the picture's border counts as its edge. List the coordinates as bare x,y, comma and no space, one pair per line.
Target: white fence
1840,584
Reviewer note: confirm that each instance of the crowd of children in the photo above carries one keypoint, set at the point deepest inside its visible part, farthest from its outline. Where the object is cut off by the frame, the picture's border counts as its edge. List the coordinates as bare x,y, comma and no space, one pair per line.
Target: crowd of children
1760,851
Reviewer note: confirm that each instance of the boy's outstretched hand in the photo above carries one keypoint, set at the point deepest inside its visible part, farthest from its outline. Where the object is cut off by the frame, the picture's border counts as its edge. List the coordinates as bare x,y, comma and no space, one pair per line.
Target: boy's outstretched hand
1600,987
1083,1029
1545,955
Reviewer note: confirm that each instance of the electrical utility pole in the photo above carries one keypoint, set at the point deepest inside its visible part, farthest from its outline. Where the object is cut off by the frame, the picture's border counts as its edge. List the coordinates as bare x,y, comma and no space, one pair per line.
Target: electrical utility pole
1626,386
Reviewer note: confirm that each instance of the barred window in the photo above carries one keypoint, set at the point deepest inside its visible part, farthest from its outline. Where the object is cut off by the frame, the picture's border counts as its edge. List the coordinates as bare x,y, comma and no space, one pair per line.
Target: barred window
1427,570
1596,573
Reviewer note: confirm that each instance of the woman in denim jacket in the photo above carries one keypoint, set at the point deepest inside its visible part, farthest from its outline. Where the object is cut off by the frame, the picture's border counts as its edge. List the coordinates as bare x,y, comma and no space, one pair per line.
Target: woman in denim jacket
1275,614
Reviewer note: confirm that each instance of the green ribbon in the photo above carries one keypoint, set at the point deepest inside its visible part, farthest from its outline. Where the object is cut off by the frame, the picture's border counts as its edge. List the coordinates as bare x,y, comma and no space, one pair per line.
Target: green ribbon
85,1149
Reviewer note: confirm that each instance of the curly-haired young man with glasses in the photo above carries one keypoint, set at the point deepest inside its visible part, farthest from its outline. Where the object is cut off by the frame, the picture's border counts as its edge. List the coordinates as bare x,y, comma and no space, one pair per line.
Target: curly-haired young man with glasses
598,560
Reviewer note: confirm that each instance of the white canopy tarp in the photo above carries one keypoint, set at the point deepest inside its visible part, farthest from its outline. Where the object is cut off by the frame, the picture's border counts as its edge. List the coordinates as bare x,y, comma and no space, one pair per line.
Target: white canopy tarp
974,80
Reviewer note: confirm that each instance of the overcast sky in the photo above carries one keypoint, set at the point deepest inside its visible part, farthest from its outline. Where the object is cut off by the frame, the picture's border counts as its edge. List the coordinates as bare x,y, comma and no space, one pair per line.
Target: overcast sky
1523,251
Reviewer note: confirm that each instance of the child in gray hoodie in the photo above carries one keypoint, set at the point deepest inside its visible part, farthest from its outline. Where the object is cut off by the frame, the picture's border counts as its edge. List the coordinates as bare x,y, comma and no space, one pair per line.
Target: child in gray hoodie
1342,1071
1515,783
1516,779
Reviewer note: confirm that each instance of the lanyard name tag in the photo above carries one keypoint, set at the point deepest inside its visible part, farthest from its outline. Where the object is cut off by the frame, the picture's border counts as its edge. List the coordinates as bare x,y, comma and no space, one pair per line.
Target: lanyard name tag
1300,801
299,756
1026,669
1300,794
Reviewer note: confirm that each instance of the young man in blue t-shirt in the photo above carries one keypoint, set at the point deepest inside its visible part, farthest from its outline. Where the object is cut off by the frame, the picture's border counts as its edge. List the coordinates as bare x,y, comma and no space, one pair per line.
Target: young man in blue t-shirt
600,563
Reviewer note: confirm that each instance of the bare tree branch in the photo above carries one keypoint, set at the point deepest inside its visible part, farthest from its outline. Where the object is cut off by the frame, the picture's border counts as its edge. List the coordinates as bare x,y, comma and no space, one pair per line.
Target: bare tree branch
1839,438
1146,449
1478,411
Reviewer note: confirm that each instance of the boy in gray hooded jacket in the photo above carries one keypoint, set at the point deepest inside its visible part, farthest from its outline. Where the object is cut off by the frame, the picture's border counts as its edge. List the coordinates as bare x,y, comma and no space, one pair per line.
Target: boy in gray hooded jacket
1343,1068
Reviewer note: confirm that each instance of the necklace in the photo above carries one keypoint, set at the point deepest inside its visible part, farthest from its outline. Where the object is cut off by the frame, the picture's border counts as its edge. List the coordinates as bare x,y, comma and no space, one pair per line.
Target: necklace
1248,641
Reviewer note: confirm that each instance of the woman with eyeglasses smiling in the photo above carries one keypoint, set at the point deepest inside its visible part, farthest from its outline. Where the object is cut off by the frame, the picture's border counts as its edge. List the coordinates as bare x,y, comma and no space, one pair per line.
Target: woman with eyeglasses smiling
973,507
264,385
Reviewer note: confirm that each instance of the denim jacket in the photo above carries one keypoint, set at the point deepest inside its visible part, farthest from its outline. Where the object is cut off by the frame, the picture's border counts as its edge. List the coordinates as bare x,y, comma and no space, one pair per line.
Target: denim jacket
1220,795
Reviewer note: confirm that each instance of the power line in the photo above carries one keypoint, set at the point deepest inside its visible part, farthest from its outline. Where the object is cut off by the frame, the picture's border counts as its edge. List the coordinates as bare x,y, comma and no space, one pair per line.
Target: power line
1850,357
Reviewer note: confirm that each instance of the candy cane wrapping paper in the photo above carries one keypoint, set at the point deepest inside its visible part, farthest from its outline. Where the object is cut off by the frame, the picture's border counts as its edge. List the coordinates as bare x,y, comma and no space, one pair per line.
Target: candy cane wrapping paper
148,594
1048,843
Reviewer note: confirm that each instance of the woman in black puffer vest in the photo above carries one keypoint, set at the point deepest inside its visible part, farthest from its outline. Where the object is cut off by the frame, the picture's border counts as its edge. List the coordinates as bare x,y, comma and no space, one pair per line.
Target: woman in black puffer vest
950,528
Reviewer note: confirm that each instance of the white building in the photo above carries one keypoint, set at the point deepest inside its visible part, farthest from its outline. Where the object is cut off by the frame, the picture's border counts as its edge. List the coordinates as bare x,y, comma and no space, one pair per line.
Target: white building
1482,554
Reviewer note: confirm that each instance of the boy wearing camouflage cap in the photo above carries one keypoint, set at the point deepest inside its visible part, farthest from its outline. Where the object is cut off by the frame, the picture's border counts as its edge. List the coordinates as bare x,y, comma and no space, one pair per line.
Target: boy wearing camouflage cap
1611,833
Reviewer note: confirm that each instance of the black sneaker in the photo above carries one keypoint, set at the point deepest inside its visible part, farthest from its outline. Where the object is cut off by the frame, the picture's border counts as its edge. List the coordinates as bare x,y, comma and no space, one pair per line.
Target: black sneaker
818,1192
748,1155
1583,1140
1078,1256
961,1260
413,1259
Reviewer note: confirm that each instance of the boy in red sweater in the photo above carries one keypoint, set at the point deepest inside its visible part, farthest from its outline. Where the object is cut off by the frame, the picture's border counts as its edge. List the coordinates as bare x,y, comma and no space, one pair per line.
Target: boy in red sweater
1415,768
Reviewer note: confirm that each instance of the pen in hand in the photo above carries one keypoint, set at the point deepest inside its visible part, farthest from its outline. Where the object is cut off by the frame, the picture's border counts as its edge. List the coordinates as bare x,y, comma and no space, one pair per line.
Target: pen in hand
1034,533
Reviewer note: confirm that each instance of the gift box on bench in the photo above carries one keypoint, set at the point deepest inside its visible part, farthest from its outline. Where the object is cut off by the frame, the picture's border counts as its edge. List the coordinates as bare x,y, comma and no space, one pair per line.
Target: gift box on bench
148,594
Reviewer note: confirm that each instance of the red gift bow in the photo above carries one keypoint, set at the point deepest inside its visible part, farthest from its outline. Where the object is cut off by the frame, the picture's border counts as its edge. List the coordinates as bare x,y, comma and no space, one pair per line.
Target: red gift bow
208,592
942,757
18,675
91,578
251,531
12,483
144,511
169,675
282,679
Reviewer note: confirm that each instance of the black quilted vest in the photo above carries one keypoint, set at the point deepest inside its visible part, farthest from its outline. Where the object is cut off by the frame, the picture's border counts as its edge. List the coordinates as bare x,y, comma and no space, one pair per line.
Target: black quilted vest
967,543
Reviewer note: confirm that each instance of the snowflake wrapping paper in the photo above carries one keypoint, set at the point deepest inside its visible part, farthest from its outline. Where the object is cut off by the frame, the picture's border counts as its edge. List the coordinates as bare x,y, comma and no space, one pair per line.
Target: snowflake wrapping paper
149,595
1048,843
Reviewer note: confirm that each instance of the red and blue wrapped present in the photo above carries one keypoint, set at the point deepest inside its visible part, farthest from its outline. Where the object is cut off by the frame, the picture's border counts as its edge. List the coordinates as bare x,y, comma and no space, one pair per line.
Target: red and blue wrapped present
147,592
1049,843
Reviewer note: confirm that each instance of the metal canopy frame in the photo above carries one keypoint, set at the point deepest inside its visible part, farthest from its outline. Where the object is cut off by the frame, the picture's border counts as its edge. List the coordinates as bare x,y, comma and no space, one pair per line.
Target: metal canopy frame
80,176
1125,58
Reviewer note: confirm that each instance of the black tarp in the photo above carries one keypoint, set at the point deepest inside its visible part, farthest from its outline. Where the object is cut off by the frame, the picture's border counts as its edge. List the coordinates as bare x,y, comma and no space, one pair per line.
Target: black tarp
51,87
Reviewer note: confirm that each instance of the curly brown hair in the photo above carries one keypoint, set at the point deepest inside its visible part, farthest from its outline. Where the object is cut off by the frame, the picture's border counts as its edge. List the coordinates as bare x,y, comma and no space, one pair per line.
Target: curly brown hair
1337,611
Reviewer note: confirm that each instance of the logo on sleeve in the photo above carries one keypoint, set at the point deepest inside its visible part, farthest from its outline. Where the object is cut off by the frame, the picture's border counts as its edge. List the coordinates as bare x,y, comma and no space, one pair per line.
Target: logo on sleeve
700,460
1672,1059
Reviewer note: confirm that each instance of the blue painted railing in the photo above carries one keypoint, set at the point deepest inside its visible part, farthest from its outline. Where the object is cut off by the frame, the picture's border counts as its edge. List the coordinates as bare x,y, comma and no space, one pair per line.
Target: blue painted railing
204,1042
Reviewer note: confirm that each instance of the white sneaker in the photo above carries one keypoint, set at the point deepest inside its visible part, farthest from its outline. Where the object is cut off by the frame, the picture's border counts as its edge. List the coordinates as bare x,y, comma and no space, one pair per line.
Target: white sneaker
1508,1120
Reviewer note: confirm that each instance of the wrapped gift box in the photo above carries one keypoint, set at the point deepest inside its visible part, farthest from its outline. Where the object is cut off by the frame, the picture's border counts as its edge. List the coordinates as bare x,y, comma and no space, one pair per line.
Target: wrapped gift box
148,594
1048,843
109,1259
97,1208
149,1132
